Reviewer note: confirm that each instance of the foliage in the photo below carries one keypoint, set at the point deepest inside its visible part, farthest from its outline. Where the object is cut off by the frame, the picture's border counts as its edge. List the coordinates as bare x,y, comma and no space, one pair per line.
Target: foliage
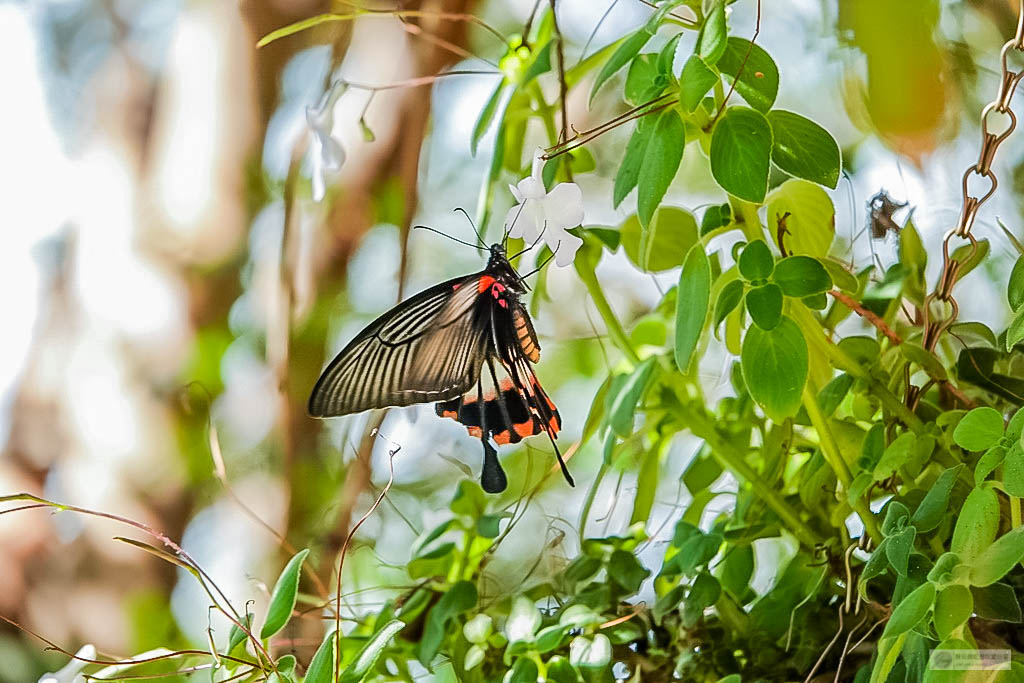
915,513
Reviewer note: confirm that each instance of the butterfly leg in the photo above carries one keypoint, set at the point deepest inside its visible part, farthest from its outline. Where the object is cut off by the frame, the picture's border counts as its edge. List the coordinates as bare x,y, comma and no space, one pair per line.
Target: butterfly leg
492,478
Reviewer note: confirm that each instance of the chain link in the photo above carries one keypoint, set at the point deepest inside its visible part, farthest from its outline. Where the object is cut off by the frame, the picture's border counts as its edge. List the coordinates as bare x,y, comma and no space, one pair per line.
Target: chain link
936,324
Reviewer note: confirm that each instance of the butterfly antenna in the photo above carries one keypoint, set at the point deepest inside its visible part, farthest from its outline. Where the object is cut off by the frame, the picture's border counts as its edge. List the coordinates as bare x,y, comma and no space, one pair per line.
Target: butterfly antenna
543,263
454,239
535,242
508,228
479,237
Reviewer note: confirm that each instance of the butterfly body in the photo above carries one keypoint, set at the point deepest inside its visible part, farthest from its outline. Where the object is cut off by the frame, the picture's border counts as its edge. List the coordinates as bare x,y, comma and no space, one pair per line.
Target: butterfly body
467,344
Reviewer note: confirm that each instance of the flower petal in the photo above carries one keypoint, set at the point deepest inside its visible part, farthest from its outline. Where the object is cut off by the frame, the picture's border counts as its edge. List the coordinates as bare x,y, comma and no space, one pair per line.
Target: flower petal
332,154
531,188
537,170
565,248
526,220
563,206
516,193
316,174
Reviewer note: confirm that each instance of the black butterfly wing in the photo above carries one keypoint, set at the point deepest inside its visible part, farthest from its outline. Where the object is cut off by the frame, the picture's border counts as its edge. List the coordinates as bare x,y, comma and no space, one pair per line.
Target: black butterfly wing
428,348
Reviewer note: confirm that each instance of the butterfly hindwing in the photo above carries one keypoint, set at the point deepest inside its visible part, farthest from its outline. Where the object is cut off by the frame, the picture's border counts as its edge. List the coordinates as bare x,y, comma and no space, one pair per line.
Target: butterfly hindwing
428,348
468,344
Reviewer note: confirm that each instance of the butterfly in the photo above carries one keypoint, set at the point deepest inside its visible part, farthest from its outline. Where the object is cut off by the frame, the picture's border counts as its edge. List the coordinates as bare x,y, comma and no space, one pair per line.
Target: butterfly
467,344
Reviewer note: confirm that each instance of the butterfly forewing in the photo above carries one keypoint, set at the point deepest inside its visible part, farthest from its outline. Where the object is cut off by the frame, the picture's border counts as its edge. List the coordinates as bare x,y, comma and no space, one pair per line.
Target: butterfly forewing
394,361
468,344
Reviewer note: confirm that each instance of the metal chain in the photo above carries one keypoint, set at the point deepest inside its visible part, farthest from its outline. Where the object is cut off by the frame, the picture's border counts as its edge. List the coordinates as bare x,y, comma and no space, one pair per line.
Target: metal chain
936,325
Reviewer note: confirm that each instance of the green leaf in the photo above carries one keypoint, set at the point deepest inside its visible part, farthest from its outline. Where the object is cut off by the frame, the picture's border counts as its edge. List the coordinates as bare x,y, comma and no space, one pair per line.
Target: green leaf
540,64
701,473
694,82
434,562
976,525
237,636
629,170
741,148
895,456
876,565
801,276
765,305
715,216
914,258
935,503
550,638
523,671
693,298
667,57
461,597
988,462
660,162
702,594
711,43
625,403
916,353
969,258
736,569
1015,332
896,517
898,548
1013,471
995,561
804,149
322,664
979,429
486,116
774,366
758,80
945,569
728,299
997,602
298,26
627,50
1015,427
911,611
953,607
625,570
664,244
756,261
1015,287
643,81
833,393
582,568
561,671
370,652
469,500
282,598
810,223
841,277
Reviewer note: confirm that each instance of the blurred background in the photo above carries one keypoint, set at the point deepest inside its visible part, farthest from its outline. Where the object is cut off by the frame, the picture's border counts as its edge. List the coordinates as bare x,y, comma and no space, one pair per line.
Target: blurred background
174,282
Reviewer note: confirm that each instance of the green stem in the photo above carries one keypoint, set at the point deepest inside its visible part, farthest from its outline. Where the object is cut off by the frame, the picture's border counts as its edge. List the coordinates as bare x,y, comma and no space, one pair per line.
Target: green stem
835,459
747,219
731,614
815,336
615,330
588,502
733,458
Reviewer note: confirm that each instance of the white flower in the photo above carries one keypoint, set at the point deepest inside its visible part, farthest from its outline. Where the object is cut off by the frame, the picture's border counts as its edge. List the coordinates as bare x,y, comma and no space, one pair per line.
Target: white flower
523,620
547,215
327,154
72,671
